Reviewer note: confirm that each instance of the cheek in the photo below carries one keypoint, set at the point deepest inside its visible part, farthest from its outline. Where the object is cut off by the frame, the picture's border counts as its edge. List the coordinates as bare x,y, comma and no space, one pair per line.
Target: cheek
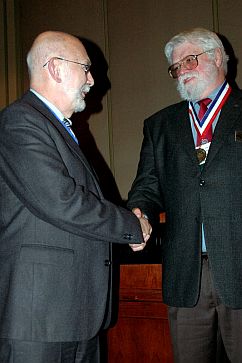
75,80
207,69
80,79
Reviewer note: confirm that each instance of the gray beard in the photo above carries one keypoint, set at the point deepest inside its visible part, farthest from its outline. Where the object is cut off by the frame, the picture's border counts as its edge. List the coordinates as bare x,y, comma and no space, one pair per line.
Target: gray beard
194,92
80,103
190,93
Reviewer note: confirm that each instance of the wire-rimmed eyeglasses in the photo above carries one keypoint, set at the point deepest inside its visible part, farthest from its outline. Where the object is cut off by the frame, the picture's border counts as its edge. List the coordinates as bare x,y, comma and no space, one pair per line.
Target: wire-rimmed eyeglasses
85,67
190,62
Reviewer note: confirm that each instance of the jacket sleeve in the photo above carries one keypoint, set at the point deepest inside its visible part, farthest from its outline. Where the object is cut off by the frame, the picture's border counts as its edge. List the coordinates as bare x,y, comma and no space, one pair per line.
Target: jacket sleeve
145,191
33,167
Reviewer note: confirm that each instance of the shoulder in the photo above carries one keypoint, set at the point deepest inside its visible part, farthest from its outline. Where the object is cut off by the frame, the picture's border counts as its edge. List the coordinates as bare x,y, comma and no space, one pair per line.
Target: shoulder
169,113
234,101
236,94
26,109
22,104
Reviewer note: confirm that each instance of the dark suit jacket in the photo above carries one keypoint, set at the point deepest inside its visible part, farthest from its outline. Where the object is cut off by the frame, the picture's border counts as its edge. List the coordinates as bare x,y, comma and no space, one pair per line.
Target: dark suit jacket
169,179
55,229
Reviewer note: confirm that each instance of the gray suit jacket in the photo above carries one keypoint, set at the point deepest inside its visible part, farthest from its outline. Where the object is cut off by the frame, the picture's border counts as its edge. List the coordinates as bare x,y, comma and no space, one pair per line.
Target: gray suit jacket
169,179
55,231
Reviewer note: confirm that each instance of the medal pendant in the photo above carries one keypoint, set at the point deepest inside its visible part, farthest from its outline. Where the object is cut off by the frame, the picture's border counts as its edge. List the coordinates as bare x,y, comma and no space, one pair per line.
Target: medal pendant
201,155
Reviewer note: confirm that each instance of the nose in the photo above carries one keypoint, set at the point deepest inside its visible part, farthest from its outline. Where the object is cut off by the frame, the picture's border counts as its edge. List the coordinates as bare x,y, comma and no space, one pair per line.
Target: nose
183,69
90,79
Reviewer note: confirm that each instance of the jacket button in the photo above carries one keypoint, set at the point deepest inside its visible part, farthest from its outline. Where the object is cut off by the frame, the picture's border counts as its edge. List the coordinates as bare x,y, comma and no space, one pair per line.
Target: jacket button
128,236
202,182
108,263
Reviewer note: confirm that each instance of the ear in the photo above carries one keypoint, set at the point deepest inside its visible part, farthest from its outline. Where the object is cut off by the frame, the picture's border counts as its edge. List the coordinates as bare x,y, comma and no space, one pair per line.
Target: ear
54,70
218,57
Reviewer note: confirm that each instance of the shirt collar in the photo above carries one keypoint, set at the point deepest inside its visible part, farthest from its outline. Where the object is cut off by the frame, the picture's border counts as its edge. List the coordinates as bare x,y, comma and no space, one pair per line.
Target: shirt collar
53,108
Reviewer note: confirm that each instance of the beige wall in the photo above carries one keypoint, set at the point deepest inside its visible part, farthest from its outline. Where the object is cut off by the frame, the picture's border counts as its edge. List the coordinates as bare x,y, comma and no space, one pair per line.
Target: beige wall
131,35
140,83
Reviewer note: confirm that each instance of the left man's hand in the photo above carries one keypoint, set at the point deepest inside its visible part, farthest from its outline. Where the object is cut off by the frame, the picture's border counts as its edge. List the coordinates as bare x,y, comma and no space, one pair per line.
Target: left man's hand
146,229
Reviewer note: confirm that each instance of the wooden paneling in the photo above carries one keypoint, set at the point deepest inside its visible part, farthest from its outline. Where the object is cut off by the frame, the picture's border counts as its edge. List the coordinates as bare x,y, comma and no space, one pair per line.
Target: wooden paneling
3,57
9,53
141,334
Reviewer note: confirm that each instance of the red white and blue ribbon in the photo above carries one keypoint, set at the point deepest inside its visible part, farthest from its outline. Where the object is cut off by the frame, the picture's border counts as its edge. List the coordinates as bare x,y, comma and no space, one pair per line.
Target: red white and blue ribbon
202,126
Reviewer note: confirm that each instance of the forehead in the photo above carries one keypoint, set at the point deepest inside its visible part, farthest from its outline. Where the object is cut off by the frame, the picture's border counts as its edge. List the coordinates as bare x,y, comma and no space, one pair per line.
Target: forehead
185,49
78,51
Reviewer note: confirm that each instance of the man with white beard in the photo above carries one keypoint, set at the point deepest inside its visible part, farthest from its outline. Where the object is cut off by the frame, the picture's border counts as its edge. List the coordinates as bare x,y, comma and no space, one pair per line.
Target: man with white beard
56,228
191,168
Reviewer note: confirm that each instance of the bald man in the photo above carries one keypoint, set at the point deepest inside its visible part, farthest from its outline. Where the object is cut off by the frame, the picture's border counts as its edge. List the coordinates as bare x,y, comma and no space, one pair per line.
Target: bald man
56,227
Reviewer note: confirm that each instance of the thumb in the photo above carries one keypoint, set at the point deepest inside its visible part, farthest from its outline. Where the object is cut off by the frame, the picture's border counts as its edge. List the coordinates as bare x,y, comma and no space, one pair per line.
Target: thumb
137,212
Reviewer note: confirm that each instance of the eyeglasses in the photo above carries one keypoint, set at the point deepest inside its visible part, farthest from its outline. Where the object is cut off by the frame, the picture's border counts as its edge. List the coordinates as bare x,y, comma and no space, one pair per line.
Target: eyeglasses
85,67
190,62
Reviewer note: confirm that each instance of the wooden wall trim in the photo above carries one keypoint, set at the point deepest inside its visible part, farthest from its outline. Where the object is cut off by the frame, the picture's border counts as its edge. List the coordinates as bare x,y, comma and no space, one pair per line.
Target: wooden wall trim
3,56
9,53
215,11
109,94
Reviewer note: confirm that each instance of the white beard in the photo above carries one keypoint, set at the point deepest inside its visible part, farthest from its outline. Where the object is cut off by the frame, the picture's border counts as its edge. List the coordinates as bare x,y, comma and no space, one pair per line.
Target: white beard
79,103
195,90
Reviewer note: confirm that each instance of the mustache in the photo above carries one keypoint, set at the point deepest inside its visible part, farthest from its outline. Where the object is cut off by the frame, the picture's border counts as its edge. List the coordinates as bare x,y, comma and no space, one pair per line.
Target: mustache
185,76
86,88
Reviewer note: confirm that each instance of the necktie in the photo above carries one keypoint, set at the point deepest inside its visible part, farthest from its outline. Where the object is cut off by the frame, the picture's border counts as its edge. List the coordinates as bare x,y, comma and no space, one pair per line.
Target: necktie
68,124
203,108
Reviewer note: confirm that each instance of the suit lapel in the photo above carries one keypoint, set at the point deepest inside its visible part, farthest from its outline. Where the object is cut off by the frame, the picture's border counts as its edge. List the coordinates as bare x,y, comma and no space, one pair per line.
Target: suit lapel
229,114
36,103
184,132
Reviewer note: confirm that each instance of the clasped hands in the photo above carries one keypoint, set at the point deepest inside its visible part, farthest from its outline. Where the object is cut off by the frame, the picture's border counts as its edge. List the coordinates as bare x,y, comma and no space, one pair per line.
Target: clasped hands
146,229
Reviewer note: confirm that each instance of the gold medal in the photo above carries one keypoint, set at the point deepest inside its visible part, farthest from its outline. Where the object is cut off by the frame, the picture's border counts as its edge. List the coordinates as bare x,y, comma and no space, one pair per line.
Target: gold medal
201,155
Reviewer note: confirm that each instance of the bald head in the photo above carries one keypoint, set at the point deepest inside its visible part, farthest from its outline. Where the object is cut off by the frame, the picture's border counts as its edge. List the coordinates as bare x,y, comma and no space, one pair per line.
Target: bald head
51,44
59,70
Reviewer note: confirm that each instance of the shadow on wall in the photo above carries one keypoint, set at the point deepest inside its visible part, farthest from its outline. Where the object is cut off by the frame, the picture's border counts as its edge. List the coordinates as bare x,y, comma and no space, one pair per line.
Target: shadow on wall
232,63
94,105
89,147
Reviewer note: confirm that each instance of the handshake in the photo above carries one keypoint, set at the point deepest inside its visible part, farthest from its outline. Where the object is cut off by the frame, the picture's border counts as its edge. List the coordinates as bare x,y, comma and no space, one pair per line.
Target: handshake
146,229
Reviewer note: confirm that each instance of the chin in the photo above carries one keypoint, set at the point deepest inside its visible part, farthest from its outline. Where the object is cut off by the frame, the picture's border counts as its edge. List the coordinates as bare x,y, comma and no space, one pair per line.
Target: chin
80,106
191,91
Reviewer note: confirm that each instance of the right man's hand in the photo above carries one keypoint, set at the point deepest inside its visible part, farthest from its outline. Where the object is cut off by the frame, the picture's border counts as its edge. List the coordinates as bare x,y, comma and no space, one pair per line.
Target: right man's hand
145,225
